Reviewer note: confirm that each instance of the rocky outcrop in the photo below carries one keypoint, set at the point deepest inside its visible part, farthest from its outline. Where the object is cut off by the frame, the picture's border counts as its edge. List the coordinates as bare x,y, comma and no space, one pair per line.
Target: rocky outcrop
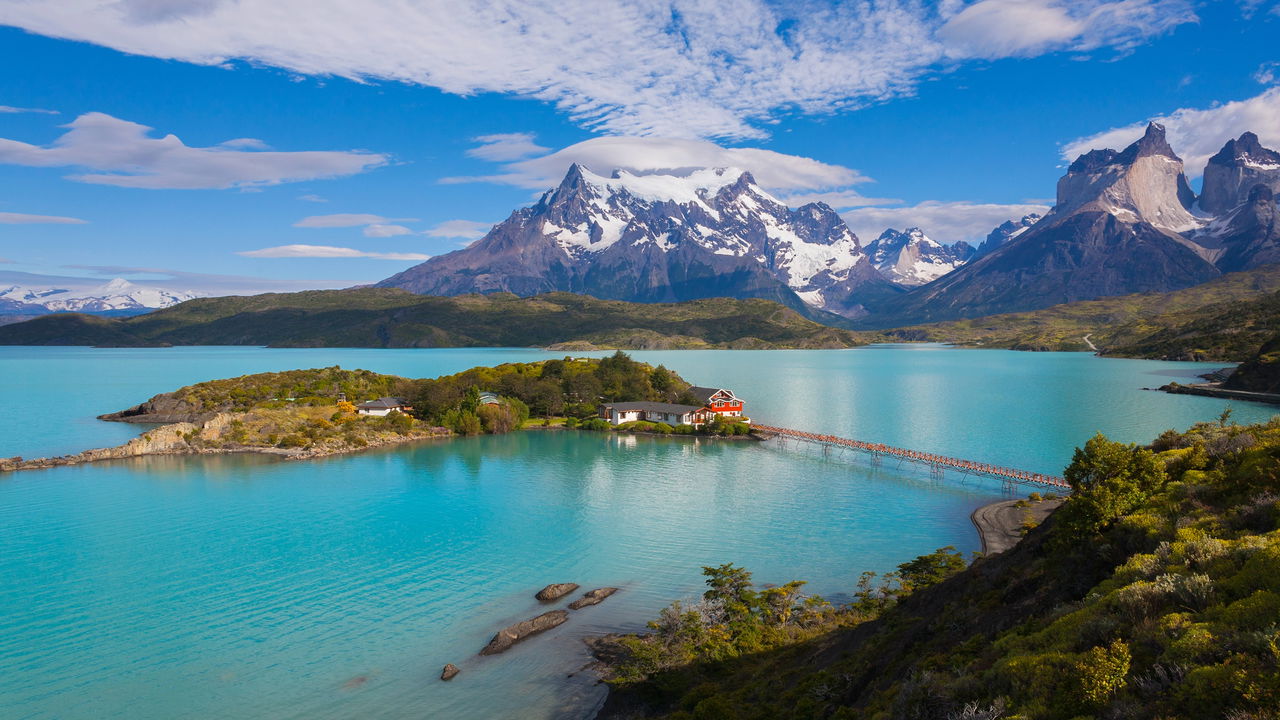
1231,175
592,597
555,591
509,636
663,238
449,672
162,409
1249,235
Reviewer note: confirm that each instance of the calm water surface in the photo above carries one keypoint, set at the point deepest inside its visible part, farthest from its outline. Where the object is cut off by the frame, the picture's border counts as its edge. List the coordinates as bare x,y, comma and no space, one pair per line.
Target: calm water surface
246,587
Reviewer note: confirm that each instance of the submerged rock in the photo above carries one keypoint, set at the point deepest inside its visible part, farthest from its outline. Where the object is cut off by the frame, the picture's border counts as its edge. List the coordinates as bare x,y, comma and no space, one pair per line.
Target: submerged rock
592,597
555,591
509,636
449,672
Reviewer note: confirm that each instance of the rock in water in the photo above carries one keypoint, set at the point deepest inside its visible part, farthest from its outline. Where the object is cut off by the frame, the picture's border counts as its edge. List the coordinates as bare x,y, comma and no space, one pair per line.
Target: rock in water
449,672
593,597
555,591
509,636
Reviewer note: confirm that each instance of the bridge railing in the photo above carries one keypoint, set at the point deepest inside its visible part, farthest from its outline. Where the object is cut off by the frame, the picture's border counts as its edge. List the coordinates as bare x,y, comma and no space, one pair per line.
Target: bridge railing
938,461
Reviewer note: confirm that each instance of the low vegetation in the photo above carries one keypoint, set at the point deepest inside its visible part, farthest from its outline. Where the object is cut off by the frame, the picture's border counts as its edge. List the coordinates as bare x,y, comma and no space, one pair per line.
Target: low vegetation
1153,593
1226,319
381,317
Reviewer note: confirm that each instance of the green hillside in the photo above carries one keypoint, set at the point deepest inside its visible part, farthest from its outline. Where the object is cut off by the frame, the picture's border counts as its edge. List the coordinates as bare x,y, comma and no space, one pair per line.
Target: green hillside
1226,319
384,318
1153,593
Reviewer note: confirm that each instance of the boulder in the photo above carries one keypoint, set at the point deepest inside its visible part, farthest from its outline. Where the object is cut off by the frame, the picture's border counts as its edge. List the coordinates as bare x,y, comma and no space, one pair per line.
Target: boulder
449,672
555,591
509,636
593,597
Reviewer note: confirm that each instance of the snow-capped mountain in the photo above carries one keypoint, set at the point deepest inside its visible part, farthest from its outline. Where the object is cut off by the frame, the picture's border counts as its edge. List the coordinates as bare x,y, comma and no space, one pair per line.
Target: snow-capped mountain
1124,222
1004,233
117,295
662,237
911,258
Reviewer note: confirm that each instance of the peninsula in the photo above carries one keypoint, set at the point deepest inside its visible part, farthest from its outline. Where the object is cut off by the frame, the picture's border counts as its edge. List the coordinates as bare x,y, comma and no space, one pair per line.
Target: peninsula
301,414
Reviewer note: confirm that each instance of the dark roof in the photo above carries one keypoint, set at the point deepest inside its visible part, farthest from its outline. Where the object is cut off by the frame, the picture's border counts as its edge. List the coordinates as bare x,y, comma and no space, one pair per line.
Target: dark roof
653,407
386,402
704,393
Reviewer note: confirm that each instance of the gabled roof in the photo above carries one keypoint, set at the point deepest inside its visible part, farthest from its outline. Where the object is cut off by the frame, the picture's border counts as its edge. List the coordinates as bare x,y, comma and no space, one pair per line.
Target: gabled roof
705,393
386,403
647,406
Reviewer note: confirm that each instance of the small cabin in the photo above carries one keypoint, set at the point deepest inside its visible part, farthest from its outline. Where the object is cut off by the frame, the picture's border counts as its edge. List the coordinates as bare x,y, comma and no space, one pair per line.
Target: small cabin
384,406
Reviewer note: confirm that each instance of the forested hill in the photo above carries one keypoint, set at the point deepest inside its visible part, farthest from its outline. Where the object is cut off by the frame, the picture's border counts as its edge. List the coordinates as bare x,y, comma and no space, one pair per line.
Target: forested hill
1152,594
385,318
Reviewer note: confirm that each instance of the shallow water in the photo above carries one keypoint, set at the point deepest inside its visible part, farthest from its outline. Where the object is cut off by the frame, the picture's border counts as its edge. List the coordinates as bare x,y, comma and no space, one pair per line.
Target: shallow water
241,586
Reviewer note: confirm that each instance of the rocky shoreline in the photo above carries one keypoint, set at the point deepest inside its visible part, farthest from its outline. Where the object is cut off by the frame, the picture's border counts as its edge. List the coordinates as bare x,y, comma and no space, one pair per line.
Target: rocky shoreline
181,438
1001,525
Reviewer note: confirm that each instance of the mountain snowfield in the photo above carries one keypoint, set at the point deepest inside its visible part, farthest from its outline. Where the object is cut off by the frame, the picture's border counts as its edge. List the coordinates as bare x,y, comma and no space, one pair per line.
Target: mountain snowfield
117,295
911,258
669,236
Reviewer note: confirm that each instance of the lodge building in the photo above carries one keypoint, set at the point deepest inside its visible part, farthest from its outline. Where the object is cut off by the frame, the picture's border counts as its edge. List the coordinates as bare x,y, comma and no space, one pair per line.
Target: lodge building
715,401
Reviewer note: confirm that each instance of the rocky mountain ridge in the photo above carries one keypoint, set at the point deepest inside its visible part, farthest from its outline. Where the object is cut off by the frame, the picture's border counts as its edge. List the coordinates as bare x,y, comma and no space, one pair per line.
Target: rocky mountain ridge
911,258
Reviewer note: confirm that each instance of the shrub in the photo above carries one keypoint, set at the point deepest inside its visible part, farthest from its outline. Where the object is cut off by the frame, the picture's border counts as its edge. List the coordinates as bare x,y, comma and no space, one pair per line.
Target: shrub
1101,673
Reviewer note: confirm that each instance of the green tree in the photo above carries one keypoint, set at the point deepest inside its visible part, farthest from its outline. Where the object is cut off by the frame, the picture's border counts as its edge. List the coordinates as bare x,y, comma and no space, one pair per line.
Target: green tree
930,569
1108,479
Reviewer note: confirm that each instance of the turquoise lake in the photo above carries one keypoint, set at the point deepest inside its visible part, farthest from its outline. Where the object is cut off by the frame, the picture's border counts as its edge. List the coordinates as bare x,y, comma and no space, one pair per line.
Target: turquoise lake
248,587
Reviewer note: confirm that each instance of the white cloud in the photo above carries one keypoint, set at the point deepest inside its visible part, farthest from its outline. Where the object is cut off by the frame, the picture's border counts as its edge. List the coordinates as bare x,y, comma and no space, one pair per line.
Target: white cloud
667,68
771,169
1020,28
946,222
465,229
1268,73
9,109
8,218
506,147
380,230
203,283
339,220
838,199
126,155
310,197
326,251
1197,134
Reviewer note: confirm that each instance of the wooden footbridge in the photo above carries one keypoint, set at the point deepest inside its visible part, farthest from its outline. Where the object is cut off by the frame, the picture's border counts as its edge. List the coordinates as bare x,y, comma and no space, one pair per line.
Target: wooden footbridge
938,464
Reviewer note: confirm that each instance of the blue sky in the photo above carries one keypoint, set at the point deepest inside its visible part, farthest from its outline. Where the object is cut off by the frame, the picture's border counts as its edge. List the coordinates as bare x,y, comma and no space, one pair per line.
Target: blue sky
404,129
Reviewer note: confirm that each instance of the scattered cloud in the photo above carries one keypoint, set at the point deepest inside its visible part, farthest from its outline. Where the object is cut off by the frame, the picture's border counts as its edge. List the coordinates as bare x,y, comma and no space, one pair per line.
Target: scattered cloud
379,230
506,147
464,229
1268,73
8,218
838,199
771,169
125,154
326,251
313,198
663,68
991,29
946,222
339,220
1196,134
203,283
9,109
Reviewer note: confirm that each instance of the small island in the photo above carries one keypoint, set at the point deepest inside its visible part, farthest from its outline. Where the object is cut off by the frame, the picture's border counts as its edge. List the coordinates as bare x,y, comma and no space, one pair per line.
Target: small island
301,414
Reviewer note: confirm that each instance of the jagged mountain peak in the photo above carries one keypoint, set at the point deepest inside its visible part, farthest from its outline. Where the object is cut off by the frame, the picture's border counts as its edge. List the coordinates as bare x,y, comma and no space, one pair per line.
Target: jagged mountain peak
910,257
1231,175
662,235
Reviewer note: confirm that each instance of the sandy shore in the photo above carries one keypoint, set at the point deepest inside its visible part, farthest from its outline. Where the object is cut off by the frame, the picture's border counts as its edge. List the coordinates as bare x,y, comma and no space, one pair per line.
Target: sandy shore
1000,524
